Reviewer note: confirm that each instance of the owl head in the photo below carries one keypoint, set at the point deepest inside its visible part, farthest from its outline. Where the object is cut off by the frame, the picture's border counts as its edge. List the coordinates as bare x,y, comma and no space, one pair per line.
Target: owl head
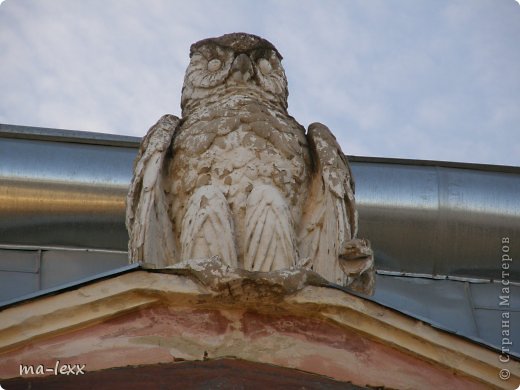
233,64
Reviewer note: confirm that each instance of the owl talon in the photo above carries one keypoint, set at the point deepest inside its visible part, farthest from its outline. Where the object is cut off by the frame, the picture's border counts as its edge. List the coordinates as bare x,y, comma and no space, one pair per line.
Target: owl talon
357,257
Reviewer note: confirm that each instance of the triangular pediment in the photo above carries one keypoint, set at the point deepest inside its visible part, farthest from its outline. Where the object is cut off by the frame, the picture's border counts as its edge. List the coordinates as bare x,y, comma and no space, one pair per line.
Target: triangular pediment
146,317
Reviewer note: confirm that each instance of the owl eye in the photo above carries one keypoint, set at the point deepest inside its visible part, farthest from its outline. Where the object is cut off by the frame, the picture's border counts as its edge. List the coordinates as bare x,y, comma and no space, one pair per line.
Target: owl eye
265,66
214,65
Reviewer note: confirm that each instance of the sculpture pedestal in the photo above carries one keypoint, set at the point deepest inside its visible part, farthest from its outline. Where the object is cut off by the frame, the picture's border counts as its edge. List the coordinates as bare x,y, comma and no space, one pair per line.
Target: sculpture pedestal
147,317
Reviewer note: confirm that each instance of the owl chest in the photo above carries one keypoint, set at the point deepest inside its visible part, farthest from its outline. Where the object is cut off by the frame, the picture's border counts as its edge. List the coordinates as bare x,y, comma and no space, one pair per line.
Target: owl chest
237,155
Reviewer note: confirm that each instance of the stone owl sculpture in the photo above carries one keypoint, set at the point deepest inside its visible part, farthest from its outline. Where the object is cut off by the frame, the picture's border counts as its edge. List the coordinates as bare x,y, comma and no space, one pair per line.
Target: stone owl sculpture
240,178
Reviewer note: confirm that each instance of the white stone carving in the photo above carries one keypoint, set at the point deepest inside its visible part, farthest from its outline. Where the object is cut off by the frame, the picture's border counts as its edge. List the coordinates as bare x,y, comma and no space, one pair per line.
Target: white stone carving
239,178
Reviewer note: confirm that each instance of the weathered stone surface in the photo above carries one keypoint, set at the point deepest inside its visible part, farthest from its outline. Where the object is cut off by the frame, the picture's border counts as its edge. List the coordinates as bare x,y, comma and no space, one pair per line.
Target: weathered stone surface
239,283
238,177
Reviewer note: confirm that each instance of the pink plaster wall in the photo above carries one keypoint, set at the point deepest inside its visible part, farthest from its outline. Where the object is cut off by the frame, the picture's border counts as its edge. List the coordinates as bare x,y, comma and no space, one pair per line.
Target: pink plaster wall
166,334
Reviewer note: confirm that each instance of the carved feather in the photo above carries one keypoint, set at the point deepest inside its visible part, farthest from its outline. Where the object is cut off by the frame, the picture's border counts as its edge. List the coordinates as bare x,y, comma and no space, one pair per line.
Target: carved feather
207,228
269,234
329,223
147,221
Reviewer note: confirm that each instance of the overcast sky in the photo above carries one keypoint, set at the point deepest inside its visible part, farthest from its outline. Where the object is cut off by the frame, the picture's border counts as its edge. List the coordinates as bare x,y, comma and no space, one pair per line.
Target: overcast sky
424,79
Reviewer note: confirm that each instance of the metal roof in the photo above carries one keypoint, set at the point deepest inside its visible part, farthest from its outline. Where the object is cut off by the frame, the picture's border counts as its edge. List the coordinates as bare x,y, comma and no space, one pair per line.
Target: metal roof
436,227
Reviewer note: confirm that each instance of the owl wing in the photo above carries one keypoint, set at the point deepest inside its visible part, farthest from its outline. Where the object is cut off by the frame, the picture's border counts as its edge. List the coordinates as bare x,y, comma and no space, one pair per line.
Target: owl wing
329,222
147,220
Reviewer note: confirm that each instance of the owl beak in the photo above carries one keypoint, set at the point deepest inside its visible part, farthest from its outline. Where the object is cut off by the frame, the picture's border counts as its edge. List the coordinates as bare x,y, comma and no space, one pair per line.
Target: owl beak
242,68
